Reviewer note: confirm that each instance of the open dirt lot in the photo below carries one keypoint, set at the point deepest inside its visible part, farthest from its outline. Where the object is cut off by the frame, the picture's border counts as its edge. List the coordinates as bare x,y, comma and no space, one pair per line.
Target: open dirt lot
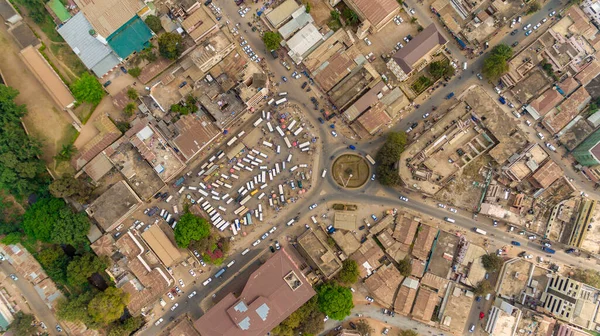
461,191
44,120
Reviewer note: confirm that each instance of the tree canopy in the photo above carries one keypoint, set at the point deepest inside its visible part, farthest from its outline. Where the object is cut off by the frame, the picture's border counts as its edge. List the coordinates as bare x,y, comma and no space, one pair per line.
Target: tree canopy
350,16
496,64
272,40
126,327
364,328
405,267
408,332
308,319
68,186
50,220
483,287
54,261
190,227
491,262
76,308
108,306
387,158
335,300
170,45
22,325
82,267
87,89
349,272
441,69
153,23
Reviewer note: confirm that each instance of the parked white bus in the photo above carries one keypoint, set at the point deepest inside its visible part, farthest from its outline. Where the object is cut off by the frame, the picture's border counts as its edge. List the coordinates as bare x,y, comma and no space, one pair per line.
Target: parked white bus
280,101
370,159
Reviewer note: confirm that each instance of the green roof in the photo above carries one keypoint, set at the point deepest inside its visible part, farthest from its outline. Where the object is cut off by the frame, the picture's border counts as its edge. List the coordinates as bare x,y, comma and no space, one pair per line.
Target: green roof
131,37
59,10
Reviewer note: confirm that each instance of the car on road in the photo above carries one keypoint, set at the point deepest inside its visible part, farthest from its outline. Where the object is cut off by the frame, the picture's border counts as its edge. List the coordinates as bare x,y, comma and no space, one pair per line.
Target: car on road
367,41
385,331
207,281
170,296
514,32
408,130
453,210
544,20
373,177
399,46
14,277
312,206
403,198
412,11
174,306
479,76
537,26
283,78
547,244
273,229
304,85
256,242
159,321
495,222
321,120
532,237
527,33
516,43
338,328
569,251
192,294
374,217
552,14
515,243
352,147
58,328
550,147
525,28
334,134
181,283
425,115
352,325
443,206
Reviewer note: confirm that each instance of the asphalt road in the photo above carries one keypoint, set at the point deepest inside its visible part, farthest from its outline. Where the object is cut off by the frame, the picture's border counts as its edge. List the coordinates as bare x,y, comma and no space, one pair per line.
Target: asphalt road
34,301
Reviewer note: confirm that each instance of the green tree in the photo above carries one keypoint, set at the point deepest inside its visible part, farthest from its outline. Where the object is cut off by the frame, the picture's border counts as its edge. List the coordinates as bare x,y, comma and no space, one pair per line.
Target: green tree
483,287
190,227
153,22
130,108
422,83
335,15
405,267
75,309
108,306
271,40
441,69
408,332
334,300
54,261
307,6
69,186
126,327
66,153
307,319
148,54
350,16
491,262
170,45
132,94
364,328
388,157
36,10
22,325
135,72
83,267
87,89
349,272
534,7
496,64
413,20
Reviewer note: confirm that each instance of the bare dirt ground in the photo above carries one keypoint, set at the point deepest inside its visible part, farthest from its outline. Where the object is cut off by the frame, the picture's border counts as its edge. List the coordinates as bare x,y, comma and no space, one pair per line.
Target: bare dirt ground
320,12
89,130
44,120
461,192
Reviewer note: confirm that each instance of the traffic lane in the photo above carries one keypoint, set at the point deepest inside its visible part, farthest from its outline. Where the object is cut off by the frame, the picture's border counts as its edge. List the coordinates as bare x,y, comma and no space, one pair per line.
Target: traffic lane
34,301
533,19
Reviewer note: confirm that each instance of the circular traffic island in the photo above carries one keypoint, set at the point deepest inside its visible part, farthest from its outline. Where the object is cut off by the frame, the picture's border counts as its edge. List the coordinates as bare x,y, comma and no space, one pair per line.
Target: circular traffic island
350,171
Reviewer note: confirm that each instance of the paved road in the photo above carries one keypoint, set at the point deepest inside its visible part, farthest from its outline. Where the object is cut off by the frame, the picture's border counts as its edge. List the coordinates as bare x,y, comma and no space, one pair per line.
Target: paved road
34,301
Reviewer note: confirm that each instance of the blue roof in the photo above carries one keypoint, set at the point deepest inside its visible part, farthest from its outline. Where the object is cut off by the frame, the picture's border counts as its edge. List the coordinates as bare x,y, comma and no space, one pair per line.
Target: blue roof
132,37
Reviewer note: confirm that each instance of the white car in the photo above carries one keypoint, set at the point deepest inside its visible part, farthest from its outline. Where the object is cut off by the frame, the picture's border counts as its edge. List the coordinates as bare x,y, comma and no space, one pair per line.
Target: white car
159,321
532,237
263,237
370,299
552,13
178,290
443,206
273,229
367,41
412,11
256,242
192,273
403,198
544,20
202,263
174,306
528,256
334,134
425,115
207,281
453,210
527,27
181,283
396,21
277,246
170,296
312,206
192,294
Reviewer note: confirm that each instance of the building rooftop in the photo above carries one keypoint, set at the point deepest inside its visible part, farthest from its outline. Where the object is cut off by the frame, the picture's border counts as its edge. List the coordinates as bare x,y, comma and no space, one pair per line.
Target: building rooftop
161,245
111,208
365,101
99,166
568,85
6,10
567,110
195,133
199,23
109,15
24,36
368,257
274,291
300,18
336,68
319,253
425,304
424,242
374,118
282,12
406,296
184,327
345,220
48,77
133,36
95,55
375,11
547,174
383,284
303,41
406,227
107,134
546,102
418,47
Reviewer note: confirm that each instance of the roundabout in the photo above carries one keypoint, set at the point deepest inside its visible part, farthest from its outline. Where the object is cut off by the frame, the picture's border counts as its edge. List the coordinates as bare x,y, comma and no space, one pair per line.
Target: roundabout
350,171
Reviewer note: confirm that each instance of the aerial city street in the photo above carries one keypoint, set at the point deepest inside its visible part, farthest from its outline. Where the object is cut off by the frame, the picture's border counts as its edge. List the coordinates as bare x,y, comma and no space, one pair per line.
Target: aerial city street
323,167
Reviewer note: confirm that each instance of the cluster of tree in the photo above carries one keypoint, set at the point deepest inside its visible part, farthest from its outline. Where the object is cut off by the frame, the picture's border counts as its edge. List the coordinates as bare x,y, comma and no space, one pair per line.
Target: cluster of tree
96,309
587,276
483,287
73,272
22,325
491,262
350,16
439,69
68,186
170,45
148,54
122,328
87,89
547,67
187,107
190,228
533,7
308,319
272,40
135,71
422,83
349,272
408,332
387,158
21,171
131,106
496,64
153,22
36,10
405,267
334,300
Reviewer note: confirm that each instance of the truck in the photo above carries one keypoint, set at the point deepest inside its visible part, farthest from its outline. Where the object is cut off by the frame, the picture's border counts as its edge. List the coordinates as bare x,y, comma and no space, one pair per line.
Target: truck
450,95
219,273
179,181
548,250
480,231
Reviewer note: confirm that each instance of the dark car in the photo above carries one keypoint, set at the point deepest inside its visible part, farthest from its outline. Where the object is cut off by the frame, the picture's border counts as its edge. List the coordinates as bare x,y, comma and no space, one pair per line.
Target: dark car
207,2
304,85
321,120
157,196
313,99
352,325
274,54
414,125
515,44
123,69
182,84
107,83
514,32
272,249
362,227
164,195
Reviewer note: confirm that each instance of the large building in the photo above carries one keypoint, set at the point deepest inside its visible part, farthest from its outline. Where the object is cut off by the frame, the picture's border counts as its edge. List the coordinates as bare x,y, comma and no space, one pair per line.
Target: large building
588,152
374,14
318,254
416,54
114,206
571,301
273,292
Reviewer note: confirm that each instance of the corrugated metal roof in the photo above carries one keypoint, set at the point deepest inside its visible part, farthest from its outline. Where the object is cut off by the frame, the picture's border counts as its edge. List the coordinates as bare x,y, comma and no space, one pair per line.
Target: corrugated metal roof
96,56
296,23
282,12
